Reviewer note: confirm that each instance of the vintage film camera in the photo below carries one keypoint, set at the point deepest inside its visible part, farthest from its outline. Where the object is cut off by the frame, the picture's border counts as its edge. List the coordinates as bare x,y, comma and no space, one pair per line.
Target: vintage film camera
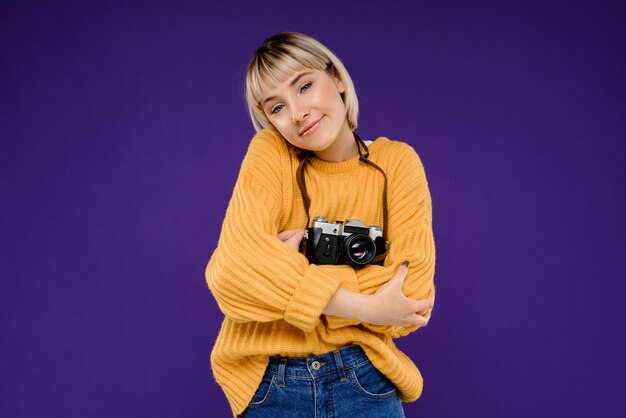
351,242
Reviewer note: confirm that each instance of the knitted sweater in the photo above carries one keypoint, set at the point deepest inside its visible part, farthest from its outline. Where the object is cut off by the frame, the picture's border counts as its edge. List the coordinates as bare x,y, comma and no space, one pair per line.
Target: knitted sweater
273,299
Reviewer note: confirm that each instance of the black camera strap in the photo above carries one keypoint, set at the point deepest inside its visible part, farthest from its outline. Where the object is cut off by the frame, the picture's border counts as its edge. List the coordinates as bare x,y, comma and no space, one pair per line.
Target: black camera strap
363,157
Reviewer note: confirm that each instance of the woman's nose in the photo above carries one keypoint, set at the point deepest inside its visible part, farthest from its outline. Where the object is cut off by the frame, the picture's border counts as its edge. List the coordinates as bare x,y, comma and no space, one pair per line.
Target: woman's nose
299,113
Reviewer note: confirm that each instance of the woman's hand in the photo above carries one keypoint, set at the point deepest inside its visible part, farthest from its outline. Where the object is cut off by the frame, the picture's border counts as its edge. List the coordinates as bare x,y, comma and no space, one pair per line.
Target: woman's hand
292,237
389,306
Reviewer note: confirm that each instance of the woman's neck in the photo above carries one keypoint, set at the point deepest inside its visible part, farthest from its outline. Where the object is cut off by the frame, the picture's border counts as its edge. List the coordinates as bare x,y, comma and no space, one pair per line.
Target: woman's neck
344,147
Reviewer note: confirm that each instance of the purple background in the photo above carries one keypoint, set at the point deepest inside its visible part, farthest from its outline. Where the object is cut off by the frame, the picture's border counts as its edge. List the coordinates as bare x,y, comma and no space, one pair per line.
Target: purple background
123,127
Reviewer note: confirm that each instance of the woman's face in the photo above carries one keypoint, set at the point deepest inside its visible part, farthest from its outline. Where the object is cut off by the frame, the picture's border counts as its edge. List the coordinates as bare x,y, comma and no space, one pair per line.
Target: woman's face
308,111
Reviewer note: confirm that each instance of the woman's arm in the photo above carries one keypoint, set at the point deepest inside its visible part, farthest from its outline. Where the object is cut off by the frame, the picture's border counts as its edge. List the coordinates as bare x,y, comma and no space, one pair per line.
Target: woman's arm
252,274
387,307
411,239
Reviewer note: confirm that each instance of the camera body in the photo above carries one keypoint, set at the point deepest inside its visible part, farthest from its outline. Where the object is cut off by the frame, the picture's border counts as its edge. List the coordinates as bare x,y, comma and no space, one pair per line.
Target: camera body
351,243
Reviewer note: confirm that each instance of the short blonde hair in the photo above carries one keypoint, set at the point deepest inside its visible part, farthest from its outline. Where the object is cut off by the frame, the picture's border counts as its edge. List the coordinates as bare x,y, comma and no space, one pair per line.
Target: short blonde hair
280,56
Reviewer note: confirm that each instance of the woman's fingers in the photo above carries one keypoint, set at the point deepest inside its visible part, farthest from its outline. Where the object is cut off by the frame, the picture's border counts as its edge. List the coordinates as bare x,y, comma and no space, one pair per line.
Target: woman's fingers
294,240
401,273
284,235
421,321
292,237
290,233
396,282
423,304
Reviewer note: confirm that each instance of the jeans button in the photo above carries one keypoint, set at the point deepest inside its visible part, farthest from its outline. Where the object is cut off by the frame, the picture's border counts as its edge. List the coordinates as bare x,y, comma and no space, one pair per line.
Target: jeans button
315,365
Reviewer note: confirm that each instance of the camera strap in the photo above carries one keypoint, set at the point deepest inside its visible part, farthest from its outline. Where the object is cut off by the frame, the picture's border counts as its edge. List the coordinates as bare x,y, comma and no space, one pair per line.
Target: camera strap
363,157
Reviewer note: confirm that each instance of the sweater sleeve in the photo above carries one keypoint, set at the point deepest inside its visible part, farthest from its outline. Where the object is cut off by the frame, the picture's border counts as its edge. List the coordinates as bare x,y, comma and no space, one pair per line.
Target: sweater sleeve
410,237
252,274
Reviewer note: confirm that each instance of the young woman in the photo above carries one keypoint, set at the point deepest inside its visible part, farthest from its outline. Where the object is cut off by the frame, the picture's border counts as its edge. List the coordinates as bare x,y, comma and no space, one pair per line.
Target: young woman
302,338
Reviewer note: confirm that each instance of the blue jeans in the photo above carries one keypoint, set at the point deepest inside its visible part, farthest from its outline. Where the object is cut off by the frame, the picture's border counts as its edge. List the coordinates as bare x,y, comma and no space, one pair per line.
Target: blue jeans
339,384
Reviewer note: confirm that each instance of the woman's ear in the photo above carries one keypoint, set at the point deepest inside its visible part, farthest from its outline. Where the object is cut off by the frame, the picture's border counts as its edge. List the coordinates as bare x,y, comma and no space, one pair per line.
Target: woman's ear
338,81
340,86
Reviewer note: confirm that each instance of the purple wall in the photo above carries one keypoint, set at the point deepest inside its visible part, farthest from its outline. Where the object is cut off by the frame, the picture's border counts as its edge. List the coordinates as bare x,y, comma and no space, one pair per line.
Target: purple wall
123,127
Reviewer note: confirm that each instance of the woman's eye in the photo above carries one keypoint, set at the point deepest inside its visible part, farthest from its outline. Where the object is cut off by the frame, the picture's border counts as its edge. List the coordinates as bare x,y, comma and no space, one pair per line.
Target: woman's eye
305,87
276,109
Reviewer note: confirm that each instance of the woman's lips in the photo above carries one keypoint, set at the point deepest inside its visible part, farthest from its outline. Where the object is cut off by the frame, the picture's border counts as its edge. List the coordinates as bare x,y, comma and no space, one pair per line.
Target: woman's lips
312,127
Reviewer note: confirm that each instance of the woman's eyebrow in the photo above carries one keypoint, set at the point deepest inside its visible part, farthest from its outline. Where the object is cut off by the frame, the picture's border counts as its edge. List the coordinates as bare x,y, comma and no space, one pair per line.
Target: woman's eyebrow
291,83
298,77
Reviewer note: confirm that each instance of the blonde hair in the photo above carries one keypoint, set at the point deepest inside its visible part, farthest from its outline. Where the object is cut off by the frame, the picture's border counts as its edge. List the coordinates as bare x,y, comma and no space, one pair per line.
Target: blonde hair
280,56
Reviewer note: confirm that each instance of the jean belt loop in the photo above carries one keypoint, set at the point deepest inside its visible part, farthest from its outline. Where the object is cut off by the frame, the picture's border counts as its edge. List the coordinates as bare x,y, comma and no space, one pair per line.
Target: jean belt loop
281,372
342,373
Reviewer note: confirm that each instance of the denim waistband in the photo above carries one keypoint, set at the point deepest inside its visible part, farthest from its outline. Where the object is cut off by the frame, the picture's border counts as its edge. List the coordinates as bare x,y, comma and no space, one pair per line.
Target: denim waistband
337,361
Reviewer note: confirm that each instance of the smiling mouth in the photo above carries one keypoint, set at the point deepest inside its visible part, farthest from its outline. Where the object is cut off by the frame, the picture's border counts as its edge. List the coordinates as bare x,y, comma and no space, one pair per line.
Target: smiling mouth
311,127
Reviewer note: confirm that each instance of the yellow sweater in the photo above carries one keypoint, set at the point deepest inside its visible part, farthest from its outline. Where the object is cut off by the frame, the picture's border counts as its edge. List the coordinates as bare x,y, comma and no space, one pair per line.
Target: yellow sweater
272,298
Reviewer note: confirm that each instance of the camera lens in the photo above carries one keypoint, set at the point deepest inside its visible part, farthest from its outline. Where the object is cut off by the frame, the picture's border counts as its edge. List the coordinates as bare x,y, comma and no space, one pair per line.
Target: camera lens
360,249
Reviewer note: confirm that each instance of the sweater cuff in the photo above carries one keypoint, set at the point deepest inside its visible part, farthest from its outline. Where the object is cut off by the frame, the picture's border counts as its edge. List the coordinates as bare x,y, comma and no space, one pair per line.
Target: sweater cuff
348,280
310,298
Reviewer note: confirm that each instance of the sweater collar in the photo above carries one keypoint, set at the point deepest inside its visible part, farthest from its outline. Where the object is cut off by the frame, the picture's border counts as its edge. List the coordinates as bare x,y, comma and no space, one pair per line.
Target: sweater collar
342,166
